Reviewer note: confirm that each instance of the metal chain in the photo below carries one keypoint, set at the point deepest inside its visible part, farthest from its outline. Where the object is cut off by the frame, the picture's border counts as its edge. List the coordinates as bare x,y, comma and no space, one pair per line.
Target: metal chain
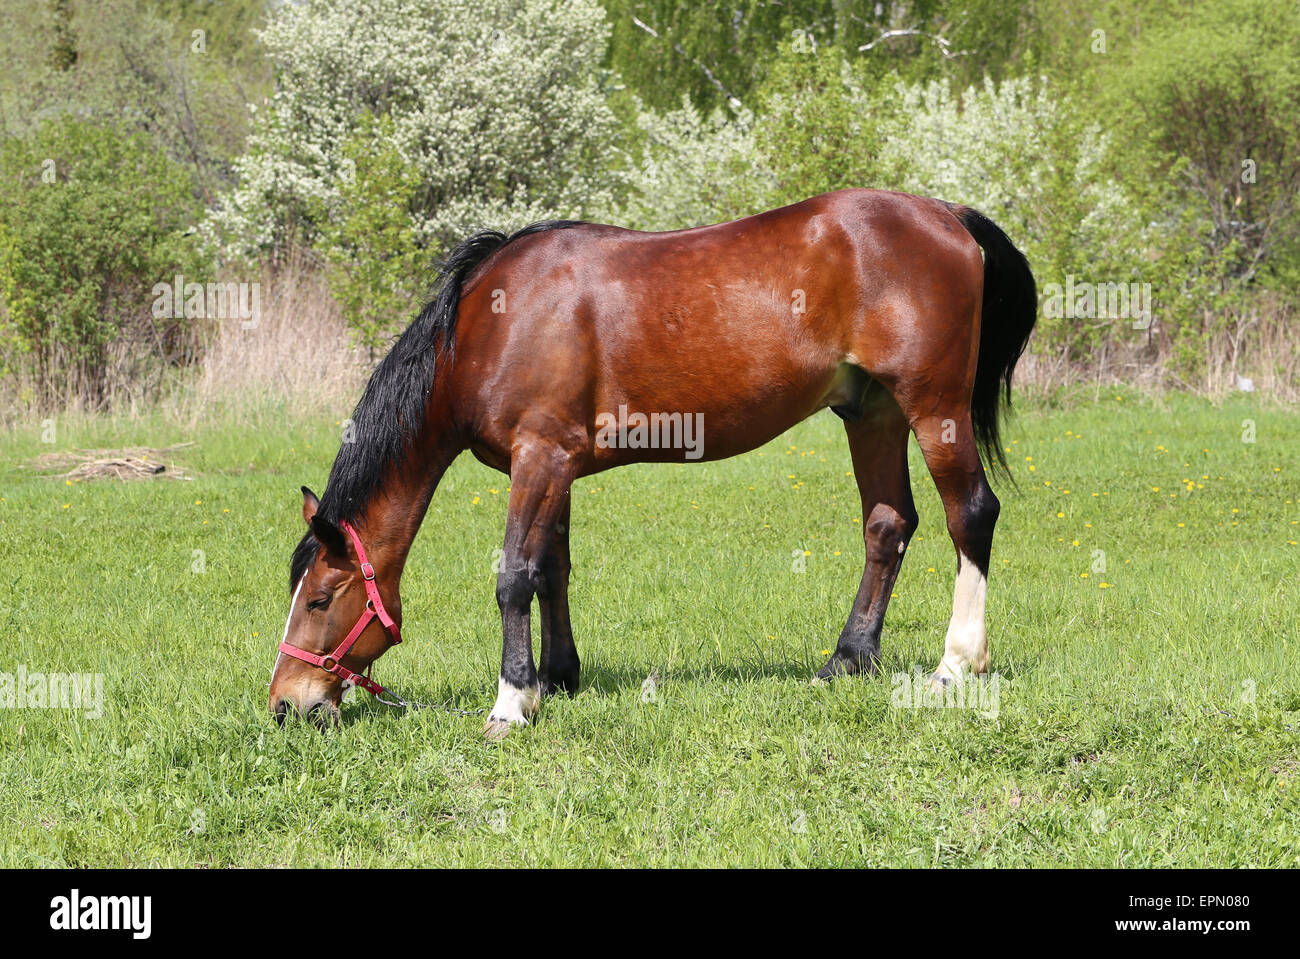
403,703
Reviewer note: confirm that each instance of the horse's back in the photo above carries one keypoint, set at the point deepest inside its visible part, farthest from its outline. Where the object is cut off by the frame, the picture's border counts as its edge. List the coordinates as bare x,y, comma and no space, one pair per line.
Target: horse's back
749,324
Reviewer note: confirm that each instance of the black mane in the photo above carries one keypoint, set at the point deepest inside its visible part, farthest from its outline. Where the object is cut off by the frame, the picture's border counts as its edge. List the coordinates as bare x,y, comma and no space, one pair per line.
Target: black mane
391,411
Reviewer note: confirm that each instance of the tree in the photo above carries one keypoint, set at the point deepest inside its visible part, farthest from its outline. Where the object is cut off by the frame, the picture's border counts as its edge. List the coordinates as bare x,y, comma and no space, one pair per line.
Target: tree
721,54
91,219
379,270
1217,96
178,71
498,106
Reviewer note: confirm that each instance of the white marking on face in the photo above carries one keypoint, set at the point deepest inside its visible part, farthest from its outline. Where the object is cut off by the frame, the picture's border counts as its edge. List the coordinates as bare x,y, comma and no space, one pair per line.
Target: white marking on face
966,646
515,705
293,604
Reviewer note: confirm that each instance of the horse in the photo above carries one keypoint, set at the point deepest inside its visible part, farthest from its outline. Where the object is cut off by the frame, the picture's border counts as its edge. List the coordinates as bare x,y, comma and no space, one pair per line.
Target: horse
902,314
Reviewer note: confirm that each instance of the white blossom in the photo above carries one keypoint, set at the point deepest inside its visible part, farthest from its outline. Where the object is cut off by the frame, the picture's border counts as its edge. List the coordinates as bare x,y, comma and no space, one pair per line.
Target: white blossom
499,104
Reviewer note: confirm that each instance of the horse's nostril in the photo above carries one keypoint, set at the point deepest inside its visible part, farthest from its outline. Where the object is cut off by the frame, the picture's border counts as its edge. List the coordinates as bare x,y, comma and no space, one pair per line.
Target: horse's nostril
323,715
281,710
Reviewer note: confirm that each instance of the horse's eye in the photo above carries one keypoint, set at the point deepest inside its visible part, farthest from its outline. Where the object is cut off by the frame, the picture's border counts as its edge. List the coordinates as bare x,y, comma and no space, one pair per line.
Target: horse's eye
320,603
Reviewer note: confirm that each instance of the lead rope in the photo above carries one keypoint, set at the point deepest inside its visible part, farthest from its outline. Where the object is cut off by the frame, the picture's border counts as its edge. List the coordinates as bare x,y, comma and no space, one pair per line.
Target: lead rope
406,704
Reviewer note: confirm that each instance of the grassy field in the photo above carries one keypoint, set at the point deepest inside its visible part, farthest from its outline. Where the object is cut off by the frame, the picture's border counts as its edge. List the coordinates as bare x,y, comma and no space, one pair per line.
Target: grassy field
1147,713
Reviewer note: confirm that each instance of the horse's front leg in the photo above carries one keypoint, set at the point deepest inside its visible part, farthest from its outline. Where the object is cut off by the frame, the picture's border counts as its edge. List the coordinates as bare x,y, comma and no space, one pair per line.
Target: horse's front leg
559,666
540,477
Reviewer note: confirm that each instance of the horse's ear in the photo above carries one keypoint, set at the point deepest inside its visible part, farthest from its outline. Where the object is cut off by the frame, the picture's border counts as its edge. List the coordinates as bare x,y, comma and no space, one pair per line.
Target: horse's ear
310,505
330,536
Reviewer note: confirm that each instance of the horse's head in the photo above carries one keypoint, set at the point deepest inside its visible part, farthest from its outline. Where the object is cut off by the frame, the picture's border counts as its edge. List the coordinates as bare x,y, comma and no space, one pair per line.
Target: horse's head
339,620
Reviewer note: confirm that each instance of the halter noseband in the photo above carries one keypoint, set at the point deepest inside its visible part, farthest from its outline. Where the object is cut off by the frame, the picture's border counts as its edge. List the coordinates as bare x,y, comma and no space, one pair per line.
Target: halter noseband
333,663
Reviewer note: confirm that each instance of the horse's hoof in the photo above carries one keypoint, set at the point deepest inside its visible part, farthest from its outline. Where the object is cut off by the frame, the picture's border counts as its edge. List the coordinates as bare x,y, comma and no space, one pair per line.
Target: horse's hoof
939,681
568,687
515,705
834,667
863,664
495,730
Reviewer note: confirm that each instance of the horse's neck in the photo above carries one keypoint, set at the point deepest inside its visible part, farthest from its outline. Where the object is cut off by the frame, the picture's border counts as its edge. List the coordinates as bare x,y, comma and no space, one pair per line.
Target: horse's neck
393,517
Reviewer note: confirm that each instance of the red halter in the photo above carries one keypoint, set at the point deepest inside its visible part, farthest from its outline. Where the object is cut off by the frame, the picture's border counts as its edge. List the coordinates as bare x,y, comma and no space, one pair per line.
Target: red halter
333,663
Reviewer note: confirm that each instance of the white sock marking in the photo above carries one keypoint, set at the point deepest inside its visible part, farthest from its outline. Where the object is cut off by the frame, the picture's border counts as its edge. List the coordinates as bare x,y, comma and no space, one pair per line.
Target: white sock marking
966,646
514,705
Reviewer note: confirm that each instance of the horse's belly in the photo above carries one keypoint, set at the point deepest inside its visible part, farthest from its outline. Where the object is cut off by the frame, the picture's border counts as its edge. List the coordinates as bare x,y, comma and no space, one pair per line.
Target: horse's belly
705,416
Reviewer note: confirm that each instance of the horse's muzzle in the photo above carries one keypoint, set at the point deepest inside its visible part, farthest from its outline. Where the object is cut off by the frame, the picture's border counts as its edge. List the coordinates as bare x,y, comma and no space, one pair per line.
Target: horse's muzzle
322,713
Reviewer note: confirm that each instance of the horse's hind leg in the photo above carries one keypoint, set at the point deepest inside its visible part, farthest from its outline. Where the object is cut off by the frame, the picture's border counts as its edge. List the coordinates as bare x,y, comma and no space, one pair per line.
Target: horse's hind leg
540,477
948,445
878,445
559,665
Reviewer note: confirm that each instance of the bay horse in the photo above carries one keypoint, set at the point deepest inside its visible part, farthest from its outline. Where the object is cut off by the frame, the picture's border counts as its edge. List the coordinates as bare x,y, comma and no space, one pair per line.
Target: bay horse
878,305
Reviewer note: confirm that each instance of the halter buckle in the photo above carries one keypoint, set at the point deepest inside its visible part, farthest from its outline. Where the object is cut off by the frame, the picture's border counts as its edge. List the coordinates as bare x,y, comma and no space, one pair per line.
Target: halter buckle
367,571
328,664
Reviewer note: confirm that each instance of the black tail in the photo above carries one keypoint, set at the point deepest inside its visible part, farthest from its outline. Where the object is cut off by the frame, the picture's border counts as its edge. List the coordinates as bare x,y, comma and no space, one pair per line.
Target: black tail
1007,318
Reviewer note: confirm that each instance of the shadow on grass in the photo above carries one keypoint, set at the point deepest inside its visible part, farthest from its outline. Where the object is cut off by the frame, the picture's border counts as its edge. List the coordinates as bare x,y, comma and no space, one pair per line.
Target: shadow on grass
601,679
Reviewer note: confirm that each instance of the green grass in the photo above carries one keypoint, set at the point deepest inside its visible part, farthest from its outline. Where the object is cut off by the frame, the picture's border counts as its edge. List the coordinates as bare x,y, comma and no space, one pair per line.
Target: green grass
1152,722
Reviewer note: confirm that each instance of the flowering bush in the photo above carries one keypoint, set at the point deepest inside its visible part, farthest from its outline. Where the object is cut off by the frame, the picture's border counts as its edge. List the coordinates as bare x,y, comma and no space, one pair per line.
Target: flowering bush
498,107
694,170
